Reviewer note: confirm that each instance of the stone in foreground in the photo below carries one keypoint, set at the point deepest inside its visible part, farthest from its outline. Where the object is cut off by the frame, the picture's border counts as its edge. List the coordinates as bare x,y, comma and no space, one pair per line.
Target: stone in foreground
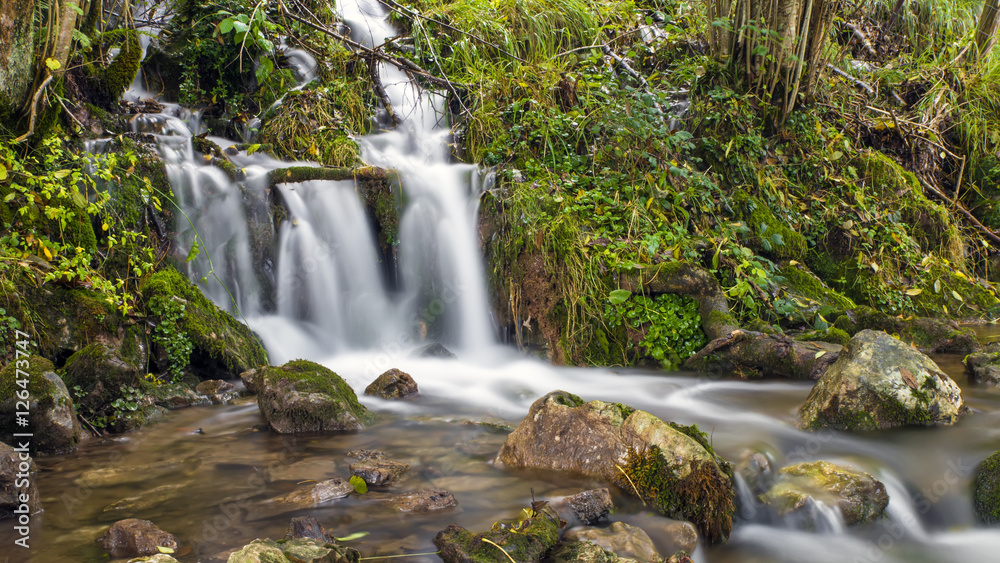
294,551
393,384
879,382
622,539
10,493
588,507
987,490
302,396
669,465
133,537
379,472
52,418
524,542
860,497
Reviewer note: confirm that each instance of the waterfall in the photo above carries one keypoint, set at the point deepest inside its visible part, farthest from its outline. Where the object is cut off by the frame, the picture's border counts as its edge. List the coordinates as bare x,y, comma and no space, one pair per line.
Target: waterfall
314,284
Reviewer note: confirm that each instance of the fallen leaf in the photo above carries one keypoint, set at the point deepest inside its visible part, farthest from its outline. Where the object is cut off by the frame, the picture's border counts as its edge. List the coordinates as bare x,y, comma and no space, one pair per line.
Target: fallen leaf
908,377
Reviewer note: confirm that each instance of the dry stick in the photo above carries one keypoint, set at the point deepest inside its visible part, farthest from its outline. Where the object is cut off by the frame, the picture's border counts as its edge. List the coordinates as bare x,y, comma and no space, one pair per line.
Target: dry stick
34,109
851,79
402,9
380,90
958,184
961,209
631,72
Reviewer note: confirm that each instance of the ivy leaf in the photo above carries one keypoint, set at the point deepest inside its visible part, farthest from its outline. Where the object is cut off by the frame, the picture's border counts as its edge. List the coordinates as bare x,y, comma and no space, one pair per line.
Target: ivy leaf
619,296
359,484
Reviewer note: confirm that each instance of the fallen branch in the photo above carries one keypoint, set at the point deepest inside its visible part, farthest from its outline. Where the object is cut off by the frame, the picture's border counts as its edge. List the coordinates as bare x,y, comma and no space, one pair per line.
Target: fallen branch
986,231
296,174
380,90
851,79
34,109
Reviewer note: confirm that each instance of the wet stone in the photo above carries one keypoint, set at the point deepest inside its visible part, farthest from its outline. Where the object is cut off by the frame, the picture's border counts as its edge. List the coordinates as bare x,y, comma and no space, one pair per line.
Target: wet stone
423,500
588,507
619,538
305,527
365,455
312,495
435,350
393,384
379,472
214,387
133,537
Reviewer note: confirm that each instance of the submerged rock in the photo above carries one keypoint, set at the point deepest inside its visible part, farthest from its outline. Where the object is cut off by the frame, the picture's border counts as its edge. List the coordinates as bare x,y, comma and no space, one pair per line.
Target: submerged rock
987,489
305,527
588,507
671,466
147,499
133,537
878,382
433,350
294,551
310,496
302,396
584,552
379,472
214,387
51,419
16,500
524,542
859,496
621,539
423,500
393,384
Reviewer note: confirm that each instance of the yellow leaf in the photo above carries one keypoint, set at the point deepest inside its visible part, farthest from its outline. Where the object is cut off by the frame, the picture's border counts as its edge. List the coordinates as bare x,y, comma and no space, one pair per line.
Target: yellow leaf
164,549
52,64
649,202
820,354
913,291
875,267
796,262
45,251
105,226
957,296
3,172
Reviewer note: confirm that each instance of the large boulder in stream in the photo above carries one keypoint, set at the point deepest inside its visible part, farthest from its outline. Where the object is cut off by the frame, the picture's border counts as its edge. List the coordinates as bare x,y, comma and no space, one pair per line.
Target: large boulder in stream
221,345
859,496
986,495
879,382
393,384
303,396
672,467
44,396
132,537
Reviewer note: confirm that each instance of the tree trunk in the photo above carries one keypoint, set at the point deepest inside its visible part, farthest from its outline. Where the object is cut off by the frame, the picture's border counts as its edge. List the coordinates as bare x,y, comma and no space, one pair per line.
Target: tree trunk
987,28
17,55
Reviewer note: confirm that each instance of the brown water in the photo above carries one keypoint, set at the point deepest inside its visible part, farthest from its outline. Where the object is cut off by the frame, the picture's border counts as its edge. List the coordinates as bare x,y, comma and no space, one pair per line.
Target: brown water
205,487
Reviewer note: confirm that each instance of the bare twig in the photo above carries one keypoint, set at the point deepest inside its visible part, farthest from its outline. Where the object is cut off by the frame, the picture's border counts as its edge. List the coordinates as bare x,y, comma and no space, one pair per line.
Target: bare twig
851,79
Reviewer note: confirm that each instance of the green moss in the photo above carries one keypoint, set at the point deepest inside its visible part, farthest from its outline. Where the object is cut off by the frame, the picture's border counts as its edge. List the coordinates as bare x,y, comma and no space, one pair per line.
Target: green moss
525,540
217,337
801,281
567,399
986,493
702,497
310,377
831,334
122,70
770,236
39,388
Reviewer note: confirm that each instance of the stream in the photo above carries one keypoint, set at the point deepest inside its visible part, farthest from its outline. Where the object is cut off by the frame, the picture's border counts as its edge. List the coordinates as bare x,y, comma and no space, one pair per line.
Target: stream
324,293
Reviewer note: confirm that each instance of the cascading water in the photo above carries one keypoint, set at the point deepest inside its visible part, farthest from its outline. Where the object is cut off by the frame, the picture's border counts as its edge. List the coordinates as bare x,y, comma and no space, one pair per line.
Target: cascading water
314,287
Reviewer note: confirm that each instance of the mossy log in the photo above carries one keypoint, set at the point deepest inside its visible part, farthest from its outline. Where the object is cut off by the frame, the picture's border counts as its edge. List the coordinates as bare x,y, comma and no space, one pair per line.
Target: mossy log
731,349
756,354
295,174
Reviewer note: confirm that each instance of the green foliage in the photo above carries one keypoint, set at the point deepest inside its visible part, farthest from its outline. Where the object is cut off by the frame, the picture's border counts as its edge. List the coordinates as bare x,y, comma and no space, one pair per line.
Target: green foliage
670,325
169,334
107,416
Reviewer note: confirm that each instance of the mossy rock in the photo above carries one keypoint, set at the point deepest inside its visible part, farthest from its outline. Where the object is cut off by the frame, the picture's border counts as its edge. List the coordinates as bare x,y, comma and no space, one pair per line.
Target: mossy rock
301,550
986,494
832,334
673,467
949,292
525,542
67,319
801,283
221,343
303,396
99,377
860,497
770,236
52,417
929,335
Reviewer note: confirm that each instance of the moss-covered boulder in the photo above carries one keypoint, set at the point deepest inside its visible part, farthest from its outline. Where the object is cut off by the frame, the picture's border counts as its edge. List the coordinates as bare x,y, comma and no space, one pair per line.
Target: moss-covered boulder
43,394
303,550
986,494
303,396
526,541
859,496
672,467
13,487
769,235
983,367
929,335
221,345
879,382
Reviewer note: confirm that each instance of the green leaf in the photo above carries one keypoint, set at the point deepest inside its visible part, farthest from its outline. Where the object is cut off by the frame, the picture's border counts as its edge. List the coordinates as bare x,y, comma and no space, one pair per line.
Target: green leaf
355,535
226,25
3,173
52,64
193,253
240,27
79,200
359,484
619,296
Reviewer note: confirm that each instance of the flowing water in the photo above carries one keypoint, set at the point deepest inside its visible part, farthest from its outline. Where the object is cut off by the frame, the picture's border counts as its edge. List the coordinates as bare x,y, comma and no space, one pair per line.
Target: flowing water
317,287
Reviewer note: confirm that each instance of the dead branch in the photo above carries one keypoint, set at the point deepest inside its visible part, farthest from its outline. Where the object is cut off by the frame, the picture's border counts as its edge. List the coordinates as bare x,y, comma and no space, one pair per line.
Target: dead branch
380,90
34,109
851,79
986,231
295,174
